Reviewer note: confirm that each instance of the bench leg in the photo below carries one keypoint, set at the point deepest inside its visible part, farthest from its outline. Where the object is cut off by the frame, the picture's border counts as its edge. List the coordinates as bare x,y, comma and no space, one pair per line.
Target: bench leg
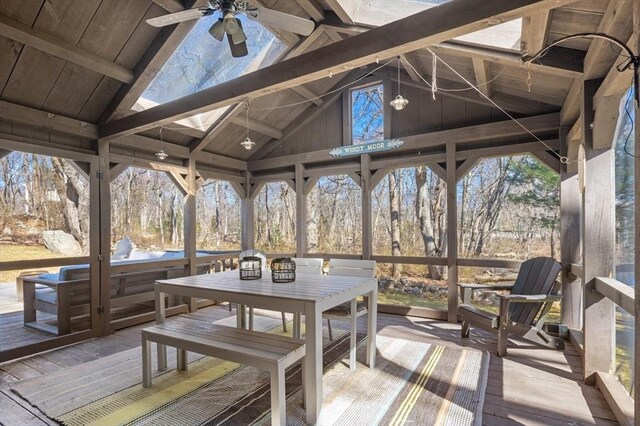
329,328
183,361
146,361
278,397
64,310
284,323
352,340
304,370
464,330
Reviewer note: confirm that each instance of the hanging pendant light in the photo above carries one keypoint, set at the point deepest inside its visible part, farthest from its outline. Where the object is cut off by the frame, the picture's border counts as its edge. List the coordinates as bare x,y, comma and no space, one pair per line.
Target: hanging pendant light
161,155
247,144
399,102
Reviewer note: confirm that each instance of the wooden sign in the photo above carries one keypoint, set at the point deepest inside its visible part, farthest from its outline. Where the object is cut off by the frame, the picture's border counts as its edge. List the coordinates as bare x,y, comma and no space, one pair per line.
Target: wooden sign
366,148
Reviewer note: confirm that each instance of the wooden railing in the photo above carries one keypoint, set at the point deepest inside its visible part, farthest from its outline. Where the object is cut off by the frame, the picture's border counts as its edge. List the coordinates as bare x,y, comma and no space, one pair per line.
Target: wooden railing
612,389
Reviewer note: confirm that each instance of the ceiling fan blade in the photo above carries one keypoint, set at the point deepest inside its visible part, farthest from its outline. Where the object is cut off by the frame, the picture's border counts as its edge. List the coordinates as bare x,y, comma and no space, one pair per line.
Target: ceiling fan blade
217,30
174,18
237,50
274,18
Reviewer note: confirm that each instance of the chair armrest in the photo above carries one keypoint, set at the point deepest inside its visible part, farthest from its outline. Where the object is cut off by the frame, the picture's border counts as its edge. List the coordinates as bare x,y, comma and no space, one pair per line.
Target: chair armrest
530,298
53,283
485,286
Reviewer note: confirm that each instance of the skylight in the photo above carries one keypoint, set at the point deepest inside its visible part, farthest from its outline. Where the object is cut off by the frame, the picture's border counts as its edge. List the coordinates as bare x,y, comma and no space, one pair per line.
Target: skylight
379,12
201,62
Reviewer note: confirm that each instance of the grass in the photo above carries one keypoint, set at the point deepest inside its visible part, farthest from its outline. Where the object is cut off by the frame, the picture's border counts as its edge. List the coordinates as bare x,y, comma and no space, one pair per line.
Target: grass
11,252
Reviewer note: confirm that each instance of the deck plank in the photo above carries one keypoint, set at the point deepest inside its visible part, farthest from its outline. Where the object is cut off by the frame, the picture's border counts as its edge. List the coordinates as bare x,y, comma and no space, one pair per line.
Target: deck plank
513,384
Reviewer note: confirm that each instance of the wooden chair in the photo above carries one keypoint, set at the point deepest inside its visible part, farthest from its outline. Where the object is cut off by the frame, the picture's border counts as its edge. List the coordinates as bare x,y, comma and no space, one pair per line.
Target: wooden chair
349,311
523,311
309,266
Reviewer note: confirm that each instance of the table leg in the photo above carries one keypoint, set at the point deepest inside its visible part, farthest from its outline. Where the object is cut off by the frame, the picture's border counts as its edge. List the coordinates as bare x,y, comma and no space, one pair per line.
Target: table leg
372,309
297,325
353,334
241,316
160,318
313,364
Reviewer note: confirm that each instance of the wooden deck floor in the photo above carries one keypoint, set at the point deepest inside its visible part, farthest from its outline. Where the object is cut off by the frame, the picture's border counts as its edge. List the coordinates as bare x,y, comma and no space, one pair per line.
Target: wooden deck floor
532,386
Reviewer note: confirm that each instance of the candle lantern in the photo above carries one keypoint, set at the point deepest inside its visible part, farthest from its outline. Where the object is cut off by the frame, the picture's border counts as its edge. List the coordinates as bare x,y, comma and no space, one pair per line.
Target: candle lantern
283,270
250,268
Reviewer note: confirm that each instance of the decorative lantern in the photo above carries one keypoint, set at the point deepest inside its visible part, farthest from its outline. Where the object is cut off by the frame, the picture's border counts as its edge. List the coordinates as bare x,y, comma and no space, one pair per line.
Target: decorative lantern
283,270
250,268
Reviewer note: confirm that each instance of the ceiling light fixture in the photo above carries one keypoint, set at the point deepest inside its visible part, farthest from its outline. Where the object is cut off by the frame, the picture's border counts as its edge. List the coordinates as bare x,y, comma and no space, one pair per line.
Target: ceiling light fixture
399,102
247,144
161,155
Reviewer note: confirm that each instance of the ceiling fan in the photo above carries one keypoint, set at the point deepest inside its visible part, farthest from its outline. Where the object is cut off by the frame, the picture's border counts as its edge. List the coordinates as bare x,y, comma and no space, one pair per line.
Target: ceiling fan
229,24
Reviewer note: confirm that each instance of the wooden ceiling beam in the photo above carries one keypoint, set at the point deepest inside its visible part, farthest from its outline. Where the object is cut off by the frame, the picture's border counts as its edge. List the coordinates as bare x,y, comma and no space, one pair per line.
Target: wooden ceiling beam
171,6
38,118
145,143
482,71
308,94
471,134
313,9
28,36
219,161
536,32
600,58
432,26
161,48
257,126
341,11
558,60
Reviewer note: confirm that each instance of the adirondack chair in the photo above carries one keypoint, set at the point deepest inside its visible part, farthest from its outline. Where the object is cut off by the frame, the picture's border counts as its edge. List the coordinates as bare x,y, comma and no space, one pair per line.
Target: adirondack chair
523,311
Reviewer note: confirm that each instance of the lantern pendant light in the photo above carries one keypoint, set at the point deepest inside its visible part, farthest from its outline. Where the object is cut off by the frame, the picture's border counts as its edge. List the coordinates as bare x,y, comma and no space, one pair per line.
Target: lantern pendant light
247,144
399,102
161,155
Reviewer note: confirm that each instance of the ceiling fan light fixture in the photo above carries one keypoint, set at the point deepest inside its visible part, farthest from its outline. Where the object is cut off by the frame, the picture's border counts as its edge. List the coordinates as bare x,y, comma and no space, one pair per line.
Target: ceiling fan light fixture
247,144
399,103
217,30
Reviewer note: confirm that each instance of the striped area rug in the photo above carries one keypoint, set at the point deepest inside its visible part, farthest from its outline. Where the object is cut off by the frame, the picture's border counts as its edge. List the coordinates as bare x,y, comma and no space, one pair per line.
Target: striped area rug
413,383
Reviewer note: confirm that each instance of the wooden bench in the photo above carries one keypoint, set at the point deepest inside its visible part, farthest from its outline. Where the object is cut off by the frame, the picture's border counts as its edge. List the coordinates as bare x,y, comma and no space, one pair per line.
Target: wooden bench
257,349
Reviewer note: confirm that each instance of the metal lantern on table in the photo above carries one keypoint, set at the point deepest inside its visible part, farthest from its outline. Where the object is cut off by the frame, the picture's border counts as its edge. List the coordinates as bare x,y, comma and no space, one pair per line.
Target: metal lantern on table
250,268
283,270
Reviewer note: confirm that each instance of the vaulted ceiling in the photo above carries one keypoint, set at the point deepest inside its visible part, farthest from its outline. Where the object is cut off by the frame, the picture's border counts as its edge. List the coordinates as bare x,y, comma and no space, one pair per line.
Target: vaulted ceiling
85,63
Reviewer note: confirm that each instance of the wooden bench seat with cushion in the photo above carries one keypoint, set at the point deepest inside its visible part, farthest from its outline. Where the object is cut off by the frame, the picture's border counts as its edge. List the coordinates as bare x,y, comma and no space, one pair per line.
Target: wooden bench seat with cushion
261,350
67,294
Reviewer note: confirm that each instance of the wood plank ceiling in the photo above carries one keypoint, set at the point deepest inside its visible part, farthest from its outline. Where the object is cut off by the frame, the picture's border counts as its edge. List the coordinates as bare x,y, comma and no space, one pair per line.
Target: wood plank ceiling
108,55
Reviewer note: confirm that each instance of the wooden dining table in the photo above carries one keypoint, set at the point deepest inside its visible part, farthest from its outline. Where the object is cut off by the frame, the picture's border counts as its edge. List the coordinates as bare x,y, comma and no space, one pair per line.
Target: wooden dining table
308,295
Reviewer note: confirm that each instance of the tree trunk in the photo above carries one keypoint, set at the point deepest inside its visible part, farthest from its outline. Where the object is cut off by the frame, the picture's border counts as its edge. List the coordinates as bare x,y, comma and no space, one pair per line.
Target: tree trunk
73,190
313,207
426,220
394,210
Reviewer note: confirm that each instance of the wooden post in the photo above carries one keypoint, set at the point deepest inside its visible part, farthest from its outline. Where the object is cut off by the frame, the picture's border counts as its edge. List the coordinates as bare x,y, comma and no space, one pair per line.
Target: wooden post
103,230
247,210
570,237
452,234
598,244
636,48
301,212
190,218
367,217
